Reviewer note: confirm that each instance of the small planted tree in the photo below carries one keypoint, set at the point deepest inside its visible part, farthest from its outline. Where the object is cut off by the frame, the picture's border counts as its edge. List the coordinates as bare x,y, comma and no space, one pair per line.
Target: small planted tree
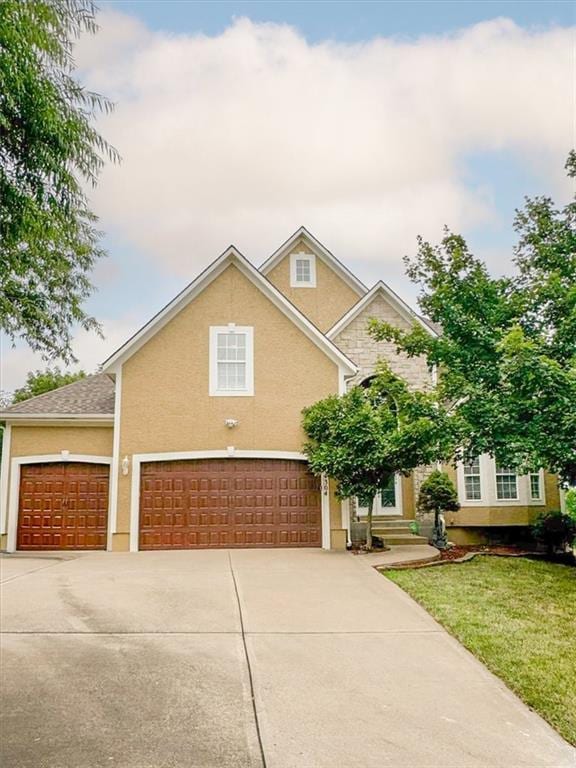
438,495
363,438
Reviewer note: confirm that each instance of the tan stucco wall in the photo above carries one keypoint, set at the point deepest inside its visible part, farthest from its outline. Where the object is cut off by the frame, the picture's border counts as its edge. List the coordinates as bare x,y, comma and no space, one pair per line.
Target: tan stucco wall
324,304
165,400
355,341
494,515
408,500
39,440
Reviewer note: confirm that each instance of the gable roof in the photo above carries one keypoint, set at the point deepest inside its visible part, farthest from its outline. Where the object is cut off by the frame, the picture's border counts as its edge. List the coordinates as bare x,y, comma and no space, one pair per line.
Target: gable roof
392,298
230,256
321,252
91,396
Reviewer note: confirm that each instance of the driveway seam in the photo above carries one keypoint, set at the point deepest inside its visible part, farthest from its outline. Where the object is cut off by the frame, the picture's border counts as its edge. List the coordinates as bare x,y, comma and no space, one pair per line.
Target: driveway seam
249,666
36,570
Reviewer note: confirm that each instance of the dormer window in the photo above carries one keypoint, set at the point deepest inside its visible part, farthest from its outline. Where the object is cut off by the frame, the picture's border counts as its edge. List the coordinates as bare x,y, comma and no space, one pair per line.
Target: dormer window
302,270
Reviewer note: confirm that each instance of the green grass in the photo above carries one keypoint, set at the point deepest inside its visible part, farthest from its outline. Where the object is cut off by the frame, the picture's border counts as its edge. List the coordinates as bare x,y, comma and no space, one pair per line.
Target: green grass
518,617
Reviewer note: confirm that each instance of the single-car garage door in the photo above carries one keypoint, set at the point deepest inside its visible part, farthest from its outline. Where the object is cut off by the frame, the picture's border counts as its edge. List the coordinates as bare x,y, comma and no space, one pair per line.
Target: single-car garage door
63,506
229,503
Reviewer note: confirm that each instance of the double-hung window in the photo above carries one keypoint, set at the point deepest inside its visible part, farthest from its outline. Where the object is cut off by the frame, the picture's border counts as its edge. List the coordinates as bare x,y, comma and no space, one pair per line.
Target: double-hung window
506,483
231,361
472,480
302,270
535,486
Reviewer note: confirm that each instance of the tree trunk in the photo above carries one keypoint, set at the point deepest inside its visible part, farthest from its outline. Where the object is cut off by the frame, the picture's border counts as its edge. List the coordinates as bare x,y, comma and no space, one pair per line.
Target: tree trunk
369,524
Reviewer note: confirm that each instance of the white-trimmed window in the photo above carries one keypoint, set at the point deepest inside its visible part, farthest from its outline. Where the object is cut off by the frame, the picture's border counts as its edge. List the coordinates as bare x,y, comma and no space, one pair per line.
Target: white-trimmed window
302,270
231,360
535,479
483,482
472,480
506,483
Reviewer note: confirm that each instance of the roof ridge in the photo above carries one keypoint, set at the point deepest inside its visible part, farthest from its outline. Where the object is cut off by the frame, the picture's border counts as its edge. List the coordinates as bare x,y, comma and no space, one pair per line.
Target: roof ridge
348,276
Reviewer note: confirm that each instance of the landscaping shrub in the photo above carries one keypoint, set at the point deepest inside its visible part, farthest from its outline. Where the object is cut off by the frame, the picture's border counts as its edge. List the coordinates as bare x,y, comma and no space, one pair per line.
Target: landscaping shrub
556,530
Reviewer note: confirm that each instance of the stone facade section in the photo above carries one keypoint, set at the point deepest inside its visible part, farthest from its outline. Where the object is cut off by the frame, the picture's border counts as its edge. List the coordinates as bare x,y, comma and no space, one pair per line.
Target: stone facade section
362,349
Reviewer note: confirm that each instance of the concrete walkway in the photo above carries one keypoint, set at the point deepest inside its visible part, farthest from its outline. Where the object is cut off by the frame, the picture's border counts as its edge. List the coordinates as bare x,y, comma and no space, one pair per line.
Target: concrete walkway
151,660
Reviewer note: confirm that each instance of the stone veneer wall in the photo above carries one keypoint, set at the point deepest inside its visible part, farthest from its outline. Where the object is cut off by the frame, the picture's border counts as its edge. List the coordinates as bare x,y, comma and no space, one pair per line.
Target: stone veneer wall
361,348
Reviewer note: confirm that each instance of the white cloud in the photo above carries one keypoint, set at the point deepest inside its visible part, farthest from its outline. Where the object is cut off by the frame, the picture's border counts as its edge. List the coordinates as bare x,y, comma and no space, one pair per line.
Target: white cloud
89,348
244,136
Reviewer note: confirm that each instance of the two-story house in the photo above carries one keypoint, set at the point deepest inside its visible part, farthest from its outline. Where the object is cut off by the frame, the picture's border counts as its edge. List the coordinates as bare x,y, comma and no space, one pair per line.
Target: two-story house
191,436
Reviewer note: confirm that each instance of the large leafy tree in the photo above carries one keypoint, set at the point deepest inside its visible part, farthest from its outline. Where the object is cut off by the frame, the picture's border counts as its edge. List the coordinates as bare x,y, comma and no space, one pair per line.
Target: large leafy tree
39,382
364,437
49,152
507,353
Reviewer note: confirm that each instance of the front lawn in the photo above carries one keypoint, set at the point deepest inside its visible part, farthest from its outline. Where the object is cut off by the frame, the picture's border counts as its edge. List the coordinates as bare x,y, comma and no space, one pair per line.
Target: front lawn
518,617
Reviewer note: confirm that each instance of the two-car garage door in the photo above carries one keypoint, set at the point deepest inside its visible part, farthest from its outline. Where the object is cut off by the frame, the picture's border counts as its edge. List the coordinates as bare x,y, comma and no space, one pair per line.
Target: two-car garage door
183,505
229,503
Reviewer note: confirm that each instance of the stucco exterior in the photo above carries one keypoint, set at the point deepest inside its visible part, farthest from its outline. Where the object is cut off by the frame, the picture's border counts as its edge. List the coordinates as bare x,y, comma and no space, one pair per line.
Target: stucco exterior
323,305
166,405
43,440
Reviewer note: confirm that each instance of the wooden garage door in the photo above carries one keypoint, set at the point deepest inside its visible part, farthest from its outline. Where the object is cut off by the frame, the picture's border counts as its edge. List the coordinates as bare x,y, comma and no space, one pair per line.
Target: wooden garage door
229,503
63,506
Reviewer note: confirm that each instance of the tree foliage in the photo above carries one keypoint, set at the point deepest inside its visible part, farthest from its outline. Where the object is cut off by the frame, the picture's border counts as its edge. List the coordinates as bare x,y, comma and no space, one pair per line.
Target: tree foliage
364,437
39,382
49,151
507,354
438,495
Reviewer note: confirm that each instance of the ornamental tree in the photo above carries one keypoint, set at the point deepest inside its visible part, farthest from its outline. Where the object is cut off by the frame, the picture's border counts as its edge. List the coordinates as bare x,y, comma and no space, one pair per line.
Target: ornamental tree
438,495
363,438
49,152
506,357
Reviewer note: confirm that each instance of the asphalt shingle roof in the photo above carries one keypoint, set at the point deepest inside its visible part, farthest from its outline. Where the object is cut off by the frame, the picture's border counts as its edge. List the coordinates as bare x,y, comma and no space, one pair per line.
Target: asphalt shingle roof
94,394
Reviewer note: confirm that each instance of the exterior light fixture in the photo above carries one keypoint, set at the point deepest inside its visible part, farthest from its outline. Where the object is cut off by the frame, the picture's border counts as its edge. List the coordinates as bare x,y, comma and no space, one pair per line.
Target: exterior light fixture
231,423
125,465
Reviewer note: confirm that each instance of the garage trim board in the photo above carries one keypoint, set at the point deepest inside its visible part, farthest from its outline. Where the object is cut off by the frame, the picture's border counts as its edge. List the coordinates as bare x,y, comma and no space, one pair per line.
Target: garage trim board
15,473
139,459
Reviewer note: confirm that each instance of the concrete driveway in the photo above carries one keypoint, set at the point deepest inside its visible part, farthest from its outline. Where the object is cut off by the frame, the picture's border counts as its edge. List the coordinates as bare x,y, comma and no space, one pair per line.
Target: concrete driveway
211,659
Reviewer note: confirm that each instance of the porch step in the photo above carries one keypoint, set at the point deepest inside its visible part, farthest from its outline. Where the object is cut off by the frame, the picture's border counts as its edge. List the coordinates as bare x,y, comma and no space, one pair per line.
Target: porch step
391,530
399,538
391,522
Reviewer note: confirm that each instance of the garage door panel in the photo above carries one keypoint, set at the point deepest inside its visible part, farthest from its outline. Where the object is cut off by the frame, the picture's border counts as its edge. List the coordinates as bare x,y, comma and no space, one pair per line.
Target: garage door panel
229,503
63,506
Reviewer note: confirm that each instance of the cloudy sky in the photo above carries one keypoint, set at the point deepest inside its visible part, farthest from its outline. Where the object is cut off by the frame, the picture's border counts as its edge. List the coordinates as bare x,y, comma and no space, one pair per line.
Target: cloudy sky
369,123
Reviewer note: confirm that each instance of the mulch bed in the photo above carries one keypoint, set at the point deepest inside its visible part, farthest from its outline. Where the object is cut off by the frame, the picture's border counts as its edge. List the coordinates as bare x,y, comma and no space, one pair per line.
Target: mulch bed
458,552
461,554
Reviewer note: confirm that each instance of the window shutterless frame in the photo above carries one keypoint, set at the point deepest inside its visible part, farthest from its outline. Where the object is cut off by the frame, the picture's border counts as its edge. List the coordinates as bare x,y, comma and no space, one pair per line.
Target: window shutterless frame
231,366
302,270
506,484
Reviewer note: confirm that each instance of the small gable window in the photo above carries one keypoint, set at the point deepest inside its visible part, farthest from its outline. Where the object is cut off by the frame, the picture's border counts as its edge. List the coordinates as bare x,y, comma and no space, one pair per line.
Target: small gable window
302,270
231,361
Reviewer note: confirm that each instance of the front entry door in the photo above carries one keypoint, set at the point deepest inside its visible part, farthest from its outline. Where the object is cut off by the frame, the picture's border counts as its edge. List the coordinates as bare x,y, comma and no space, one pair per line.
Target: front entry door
387,503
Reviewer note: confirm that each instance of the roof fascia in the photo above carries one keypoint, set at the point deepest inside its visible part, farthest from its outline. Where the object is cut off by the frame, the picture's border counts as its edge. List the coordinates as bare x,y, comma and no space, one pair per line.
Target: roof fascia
322,252
230,256
61,418
397,303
